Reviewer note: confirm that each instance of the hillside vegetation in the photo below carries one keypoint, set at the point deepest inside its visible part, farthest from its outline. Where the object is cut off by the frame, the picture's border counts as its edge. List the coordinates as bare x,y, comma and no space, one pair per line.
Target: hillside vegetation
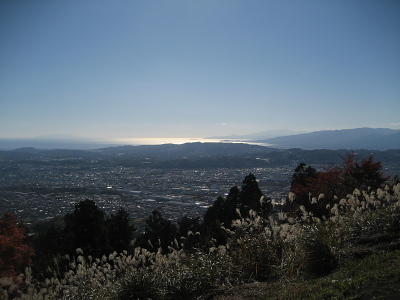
342,244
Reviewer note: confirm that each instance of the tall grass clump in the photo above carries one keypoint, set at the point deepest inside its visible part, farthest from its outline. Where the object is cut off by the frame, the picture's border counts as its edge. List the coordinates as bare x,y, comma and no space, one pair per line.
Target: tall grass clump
143,275
319,257
282,246
176,276
254,249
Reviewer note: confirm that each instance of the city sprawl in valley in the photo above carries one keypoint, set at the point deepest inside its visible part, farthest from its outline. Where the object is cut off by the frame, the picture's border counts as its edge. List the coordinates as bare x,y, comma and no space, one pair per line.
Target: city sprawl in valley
177,180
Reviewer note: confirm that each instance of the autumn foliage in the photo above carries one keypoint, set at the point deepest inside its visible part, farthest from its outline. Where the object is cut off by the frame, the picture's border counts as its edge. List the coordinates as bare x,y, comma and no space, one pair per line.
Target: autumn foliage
318,191
15,254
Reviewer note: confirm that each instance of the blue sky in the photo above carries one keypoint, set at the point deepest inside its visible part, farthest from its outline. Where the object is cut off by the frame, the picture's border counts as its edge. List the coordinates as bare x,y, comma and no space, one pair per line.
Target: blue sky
114,69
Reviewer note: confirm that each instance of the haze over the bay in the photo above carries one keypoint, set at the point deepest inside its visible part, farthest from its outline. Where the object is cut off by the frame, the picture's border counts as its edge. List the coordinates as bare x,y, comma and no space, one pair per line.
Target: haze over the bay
192,69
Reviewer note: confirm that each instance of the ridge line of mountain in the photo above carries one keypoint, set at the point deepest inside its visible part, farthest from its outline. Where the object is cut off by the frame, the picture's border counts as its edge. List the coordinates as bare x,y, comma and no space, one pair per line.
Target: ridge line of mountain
358,138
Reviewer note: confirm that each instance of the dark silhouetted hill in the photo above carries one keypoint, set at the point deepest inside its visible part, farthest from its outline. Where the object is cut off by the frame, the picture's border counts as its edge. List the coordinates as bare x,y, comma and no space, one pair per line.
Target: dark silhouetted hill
359,138
173,151
260,135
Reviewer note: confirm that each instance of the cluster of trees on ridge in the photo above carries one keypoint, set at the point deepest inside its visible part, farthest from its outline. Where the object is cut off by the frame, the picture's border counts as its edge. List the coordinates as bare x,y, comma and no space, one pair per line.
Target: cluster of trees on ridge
87,227
319,191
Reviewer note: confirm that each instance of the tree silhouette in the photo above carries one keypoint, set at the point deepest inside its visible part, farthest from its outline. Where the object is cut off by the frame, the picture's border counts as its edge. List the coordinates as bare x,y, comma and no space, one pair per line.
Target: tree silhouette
217,216
224,211
86,228
362,175
159,233
302,174
188,229
15,254
48,244
187,224
251,198
121,231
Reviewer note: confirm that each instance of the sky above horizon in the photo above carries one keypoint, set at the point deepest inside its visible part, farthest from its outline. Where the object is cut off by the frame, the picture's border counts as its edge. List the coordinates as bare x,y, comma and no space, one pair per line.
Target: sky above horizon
130,69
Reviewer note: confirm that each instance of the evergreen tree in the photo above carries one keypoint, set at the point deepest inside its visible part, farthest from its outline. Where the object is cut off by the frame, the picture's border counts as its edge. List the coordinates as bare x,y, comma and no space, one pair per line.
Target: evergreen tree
224,210
121,231
86,228
250,197
216,217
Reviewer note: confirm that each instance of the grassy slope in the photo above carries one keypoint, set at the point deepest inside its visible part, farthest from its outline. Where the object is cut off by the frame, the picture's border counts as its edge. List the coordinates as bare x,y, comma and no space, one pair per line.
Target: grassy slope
373,277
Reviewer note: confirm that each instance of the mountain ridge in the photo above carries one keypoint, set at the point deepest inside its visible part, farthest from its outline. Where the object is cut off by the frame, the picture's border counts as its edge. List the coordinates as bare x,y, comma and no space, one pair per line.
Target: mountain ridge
357,138
258,135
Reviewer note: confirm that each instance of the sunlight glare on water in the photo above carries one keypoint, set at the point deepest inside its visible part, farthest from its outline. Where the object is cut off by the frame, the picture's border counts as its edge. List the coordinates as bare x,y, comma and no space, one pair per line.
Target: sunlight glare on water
177,141
159,141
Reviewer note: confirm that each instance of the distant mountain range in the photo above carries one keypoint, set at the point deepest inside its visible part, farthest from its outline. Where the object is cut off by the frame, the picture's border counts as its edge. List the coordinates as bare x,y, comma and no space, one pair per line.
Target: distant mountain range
47,142
359,138
260,135
352,139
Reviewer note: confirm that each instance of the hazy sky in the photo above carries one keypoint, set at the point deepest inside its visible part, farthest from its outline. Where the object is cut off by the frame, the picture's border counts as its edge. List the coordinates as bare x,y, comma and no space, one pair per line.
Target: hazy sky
197,68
